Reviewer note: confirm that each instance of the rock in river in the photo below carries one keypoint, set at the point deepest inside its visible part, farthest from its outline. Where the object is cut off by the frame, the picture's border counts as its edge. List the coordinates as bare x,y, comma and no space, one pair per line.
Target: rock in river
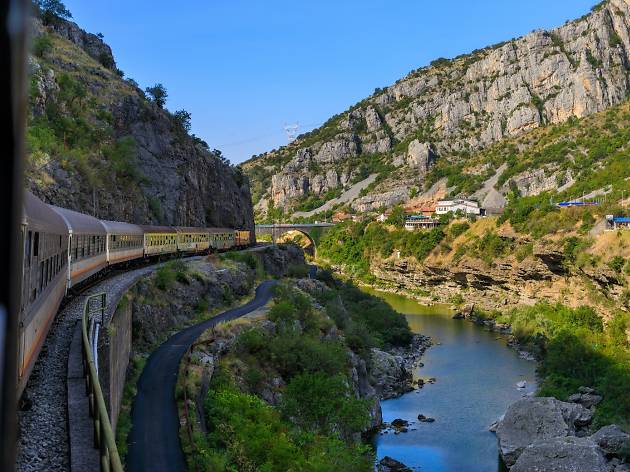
387,464
612,439
532,419
562,454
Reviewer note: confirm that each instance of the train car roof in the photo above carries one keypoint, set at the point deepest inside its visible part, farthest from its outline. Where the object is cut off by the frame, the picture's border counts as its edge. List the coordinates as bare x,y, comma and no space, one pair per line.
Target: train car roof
158,229
190,229
41,217
118,227
220,230
80,223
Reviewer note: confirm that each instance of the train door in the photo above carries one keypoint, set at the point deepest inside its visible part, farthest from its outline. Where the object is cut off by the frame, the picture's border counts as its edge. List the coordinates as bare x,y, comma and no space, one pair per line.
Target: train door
26,243
70,259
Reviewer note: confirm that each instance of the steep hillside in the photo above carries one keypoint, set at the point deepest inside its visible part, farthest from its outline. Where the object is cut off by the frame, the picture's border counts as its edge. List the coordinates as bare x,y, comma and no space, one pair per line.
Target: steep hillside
428,125
527,253
97,144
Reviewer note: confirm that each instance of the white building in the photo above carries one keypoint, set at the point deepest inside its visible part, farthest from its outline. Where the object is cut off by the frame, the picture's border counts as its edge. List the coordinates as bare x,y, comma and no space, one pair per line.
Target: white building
415,222
467,207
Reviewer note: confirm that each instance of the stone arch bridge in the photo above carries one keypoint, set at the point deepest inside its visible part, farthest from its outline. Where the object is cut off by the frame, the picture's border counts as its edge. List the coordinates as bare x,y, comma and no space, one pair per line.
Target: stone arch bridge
313,231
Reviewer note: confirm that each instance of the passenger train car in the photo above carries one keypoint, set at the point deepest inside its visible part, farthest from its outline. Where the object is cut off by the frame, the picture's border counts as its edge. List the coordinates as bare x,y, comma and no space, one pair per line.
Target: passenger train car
63,248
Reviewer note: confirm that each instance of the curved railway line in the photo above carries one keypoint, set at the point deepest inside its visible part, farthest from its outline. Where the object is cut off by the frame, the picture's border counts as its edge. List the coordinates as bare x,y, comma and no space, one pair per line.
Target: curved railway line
67,255
43,420
63,250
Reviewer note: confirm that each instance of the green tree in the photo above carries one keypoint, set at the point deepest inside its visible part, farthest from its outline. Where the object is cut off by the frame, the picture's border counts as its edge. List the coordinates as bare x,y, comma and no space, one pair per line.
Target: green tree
42,45
397,217
182,117
52,10
158,94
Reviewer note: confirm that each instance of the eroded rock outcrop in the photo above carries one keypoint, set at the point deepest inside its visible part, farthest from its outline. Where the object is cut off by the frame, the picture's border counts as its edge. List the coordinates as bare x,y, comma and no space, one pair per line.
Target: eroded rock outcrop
546,434
562,454
535,419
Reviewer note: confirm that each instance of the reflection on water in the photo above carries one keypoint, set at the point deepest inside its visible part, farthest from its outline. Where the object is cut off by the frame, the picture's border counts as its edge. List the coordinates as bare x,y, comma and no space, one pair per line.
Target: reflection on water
476,380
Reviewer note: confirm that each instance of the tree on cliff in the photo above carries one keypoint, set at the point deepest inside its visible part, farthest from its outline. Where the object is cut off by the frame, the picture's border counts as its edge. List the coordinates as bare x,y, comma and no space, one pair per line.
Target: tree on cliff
158,94
183,119
51,10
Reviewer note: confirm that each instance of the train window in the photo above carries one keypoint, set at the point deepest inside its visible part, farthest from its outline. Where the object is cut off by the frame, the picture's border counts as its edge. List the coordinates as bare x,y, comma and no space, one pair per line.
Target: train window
41,275
36,245
29,241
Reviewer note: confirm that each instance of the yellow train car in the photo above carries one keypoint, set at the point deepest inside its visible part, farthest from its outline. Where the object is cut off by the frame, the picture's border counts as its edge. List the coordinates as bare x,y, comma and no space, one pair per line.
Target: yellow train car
221,238
192,239
242,238
159,240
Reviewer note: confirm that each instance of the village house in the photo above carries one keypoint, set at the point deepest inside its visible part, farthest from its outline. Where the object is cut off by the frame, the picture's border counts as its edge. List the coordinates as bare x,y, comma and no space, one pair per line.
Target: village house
617,222
467,207
415,222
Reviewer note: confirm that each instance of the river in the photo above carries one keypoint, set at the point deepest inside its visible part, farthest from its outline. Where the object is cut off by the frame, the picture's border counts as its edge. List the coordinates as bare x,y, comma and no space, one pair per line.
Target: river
476,375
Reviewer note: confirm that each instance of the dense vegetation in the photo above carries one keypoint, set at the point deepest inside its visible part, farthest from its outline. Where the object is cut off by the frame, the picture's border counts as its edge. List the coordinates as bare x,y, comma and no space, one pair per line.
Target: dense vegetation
354,244
314,427
576,349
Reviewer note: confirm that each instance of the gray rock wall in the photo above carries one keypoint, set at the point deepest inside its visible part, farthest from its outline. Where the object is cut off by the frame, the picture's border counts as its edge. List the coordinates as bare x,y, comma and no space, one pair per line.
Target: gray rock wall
174,180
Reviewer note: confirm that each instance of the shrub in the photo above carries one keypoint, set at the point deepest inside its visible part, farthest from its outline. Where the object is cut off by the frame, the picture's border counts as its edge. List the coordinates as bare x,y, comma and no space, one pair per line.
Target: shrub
617,263
324,404
42,45
164,277
298,271
458,229
251,341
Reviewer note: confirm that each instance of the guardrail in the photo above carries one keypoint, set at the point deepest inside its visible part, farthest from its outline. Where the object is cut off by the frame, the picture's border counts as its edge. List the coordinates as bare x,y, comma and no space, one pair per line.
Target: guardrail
103,435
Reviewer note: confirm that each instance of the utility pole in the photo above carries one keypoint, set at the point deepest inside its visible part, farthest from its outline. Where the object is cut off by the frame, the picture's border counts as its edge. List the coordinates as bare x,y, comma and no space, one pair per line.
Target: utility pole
292,131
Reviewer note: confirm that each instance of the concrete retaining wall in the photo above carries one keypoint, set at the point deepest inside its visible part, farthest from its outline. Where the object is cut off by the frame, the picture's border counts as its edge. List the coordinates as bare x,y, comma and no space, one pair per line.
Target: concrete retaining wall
114,351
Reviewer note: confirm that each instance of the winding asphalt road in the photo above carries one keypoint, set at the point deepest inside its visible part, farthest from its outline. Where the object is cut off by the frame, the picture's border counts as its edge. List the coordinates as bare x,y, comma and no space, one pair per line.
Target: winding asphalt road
154,439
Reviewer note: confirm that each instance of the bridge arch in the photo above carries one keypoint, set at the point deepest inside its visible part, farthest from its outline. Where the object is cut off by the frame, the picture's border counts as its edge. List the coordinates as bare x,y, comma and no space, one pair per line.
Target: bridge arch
312,231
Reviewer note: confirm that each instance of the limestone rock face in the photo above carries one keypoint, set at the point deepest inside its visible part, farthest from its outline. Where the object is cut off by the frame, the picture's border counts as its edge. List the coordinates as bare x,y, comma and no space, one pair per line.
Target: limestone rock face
168,178
389,373
562,454
374,202
471,102
533,419
89,42
420,155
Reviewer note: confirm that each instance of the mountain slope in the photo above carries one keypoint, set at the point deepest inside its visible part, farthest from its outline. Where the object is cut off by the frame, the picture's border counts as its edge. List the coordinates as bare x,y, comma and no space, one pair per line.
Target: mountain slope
96,144
433,120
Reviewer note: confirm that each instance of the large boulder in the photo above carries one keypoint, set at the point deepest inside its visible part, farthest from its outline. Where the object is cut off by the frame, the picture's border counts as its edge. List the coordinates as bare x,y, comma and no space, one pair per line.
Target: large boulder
387,464
612,439
391,378
534,419
562,454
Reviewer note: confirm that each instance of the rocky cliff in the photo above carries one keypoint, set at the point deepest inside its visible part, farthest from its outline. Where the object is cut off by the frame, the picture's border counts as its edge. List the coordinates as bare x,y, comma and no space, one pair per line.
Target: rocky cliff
430,122
97,144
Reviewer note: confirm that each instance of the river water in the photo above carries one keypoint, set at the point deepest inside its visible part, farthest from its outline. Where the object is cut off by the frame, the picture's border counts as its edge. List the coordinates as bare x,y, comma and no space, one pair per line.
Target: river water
476,375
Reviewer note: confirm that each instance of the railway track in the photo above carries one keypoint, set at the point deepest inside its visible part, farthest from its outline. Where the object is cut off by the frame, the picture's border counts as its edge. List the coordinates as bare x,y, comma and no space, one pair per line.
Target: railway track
43,416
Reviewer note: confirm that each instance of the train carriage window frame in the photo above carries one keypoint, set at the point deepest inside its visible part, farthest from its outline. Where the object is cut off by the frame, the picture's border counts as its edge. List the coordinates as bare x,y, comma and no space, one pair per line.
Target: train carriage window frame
29,249
36,244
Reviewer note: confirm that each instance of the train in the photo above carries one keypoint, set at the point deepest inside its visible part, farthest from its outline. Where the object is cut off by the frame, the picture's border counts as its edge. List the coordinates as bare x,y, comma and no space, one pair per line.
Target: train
64,249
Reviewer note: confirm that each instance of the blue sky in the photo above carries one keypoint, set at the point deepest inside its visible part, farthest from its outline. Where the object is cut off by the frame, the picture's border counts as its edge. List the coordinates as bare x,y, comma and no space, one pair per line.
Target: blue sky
244,69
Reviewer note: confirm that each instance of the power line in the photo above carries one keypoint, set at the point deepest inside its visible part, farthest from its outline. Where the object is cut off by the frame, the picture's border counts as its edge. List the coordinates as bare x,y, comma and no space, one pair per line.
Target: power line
263,136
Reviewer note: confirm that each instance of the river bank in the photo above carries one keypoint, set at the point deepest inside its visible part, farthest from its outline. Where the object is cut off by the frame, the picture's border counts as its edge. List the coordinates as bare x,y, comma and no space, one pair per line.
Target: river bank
582,431
475,380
